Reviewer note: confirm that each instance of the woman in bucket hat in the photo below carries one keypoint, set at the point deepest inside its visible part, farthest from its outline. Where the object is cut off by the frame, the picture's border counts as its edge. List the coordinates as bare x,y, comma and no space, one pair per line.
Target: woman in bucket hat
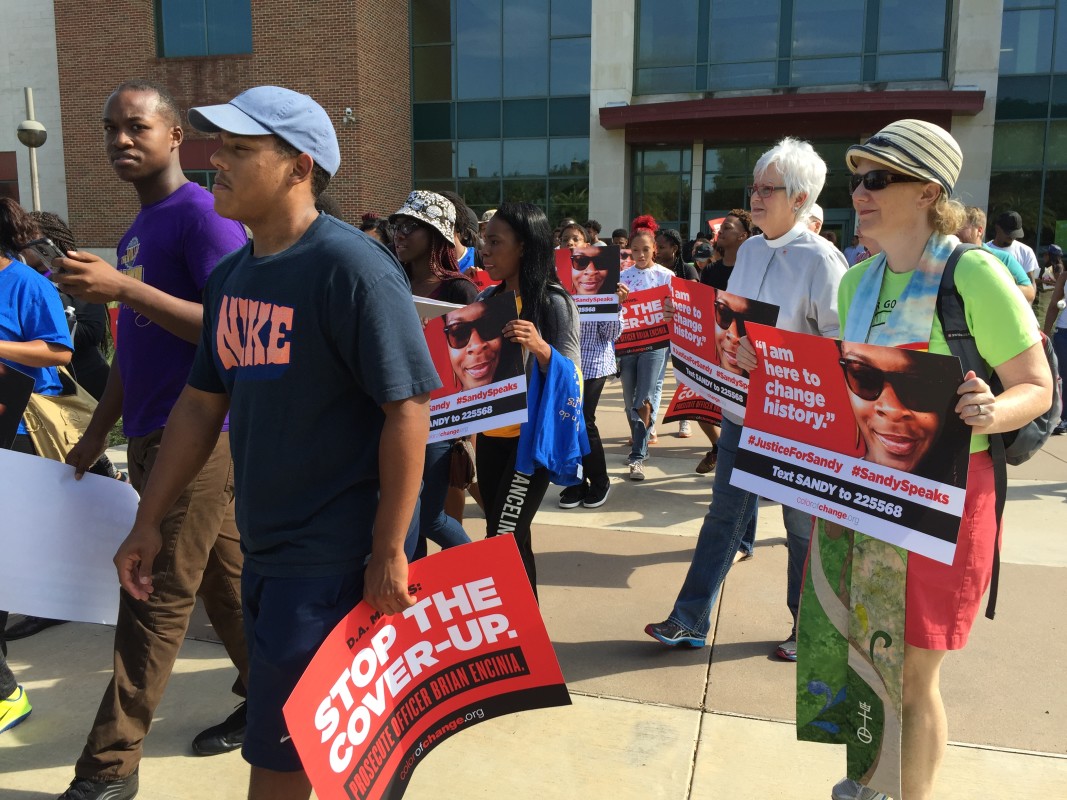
870,651
424,240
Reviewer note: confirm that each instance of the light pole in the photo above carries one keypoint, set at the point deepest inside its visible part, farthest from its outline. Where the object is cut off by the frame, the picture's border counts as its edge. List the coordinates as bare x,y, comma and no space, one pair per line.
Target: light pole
32,134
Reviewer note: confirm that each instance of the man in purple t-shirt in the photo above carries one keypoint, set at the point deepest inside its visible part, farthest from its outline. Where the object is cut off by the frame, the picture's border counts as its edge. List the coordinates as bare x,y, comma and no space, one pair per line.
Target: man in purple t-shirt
165,259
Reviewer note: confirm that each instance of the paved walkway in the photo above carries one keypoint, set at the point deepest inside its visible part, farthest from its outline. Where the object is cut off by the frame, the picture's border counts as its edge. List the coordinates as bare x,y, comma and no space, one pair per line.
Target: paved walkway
647,722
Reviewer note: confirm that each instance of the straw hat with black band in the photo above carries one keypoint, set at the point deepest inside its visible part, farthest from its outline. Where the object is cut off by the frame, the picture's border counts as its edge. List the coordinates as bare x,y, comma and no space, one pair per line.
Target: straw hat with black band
913,147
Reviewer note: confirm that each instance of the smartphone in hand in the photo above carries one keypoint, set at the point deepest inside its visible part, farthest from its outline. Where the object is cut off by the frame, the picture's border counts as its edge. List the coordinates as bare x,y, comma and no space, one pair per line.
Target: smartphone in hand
46,250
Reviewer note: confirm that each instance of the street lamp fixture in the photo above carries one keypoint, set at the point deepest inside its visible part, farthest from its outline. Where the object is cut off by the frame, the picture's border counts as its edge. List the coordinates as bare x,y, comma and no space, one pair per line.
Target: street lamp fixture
32,134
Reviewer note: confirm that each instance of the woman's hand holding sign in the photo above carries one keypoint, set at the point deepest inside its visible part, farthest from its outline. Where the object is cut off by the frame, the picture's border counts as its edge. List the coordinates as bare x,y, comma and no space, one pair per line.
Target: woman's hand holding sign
622,291
746,355
524,332
977,405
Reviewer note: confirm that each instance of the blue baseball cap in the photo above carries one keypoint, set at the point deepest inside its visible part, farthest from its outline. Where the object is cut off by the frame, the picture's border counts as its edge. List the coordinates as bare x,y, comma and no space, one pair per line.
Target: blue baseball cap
264,110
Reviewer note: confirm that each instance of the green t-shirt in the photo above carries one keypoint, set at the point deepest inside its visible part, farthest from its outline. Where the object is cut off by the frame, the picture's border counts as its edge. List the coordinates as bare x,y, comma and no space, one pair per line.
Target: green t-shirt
997,314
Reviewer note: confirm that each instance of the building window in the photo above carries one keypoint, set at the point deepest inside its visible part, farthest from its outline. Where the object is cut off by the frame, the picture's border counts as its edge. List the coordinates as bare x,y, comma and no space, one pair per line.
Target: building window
662,185
203,27
500,94
728,170
722,45
205,177
9,175
1029,168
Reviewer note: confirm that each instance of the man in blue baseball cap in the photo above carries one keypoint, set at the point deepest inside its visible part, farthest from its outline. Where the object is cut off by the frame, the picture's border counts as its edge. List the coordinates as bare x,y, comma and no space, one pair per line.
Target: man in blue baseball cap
312,344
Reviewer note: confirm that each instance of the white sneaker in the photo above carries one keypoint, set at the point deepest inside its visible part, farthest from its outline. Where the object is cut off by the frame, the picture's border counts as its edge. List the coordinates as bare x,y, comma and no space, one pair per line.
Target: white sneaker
637,472
847,789
684,430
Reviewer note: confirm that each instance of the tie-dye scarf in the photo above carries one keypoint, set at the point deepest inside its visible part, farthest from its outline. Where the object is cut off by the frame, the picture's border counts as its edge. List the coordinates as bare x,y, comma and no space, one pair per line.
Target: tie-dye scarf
850,639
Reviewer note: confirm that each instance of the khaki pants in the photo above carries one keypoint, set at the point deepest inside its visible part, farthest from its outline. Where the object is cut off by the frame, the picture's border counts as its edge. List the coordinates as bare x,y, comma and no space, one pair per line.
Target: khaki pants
201,555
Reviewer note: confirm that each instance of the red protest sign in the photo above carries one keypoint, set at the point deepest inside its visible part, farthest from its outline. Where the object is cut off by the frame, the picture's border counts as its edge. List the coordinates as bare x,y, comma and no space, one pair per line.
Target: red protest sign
483,382
687,404
705,335
859,434
591,275
481,278
643,325
382,692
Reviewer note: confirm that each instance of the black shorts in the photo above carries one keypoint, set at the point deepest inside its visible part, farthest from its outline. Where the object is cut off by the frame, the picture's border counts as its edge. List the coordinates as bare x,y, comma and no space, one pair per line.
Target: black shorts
286,620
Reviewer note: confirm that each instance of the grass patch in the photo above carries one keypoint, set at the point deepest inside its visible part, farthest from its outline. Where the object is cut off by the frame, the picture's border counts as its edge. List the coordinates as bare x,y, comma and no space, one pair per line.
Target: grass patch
115,438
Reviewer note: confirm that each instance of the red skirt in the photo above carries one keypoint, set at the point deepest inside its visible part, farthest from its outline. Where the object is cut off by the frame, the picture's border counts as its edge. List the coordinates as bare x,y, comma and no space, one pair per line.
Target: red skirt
943,600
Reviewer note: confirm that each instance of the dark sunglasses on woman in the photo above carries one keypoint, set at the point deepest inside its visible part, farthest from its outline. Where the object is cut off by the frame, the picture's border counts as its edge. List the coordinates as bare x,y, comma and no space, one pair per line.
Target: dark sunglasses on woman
726,316
458,334
914,391
582,261
407,227
878,179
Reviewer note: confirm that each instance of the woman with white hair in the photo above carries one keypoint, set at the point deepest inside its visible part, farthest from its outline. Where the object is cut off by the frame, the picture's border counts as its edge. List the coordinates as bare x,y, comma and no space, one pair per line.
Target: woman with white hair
791,267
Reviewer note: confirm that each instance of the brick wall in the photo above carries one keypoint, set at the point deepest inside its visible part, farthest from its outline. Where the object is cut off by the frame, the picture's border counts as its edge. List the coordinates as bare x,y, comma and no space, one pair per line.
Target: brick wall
347,54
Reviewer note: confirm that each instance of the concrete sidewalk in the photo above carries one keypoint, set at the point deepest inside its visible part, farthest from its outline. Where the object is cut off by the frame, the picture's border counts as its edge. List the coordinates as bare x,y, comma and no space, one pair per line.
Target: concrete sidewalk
647,721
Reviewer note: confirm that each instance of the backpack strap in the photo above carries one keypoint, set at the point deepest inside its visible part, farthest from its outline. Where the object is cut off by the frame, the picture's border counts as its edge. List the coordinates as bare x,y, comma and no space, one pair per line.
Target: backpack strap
961,343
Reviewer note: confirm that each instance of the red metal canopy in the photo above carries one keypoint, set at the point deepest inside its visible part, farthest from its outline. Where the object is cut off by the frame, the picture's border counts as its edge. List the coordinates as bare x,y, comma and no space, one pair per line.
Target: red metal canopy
807,115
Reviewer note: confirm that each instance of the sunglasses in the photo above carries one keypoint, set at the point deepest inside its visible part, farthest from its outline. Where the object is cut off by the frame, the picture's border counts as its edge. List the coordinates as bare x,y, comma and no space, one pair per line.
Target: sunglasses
878,179
764,191
581,261
458,334
407,227
868,383
726,316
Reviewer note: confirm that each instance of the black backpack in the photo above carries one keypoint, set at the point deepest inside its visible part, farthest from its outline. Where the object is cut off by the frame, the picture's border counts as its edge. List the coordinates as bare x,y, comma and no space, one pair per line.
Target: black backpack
1013,447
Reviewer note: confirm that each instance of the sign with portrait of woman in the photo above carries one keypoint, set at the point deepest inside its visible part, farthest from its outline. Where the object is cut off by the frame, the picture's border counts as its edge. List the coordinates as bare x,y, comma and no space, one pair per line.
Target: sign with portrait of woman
591,275
15,390
705,334
862,435
482,375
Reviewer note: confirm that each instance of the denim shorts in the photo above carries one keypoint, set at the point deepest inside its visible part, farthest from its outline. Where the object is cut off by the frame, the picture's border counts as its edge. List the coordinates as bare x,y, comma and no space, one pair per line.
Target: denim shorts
286,620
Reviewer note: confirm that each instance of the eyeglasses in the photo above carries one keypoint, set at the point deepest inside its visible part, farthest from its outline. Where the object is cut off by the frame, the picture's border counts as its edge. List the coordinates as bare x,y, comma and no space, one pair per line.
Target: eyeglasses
764,191
726,316
580,261
878,179
458,334
407,227
868,382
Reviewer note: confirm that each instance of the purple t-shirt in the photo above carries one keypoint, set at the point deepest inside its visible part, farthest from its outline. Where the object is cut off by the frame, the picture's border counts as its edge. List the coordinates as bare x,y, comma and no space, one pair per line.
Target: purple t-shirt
172,245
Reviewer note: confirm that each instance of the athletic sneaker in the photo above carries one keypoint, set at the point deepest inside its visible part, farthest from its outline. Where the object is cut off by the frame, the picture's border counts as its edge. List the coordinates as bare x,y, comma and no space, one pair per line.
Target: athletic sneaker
684,429
14,709
572,496
787,650
1060,429
637,472
673,634
84,789
595,497
846,789
707,463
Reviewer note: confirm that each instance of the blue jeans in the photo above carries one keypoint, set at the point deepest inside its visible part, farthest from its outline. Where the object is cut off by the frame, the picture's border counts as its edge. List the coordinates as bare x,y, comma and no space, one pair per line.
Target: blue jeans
642,379
1059,345
731,518
434,523
797,539
659,388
